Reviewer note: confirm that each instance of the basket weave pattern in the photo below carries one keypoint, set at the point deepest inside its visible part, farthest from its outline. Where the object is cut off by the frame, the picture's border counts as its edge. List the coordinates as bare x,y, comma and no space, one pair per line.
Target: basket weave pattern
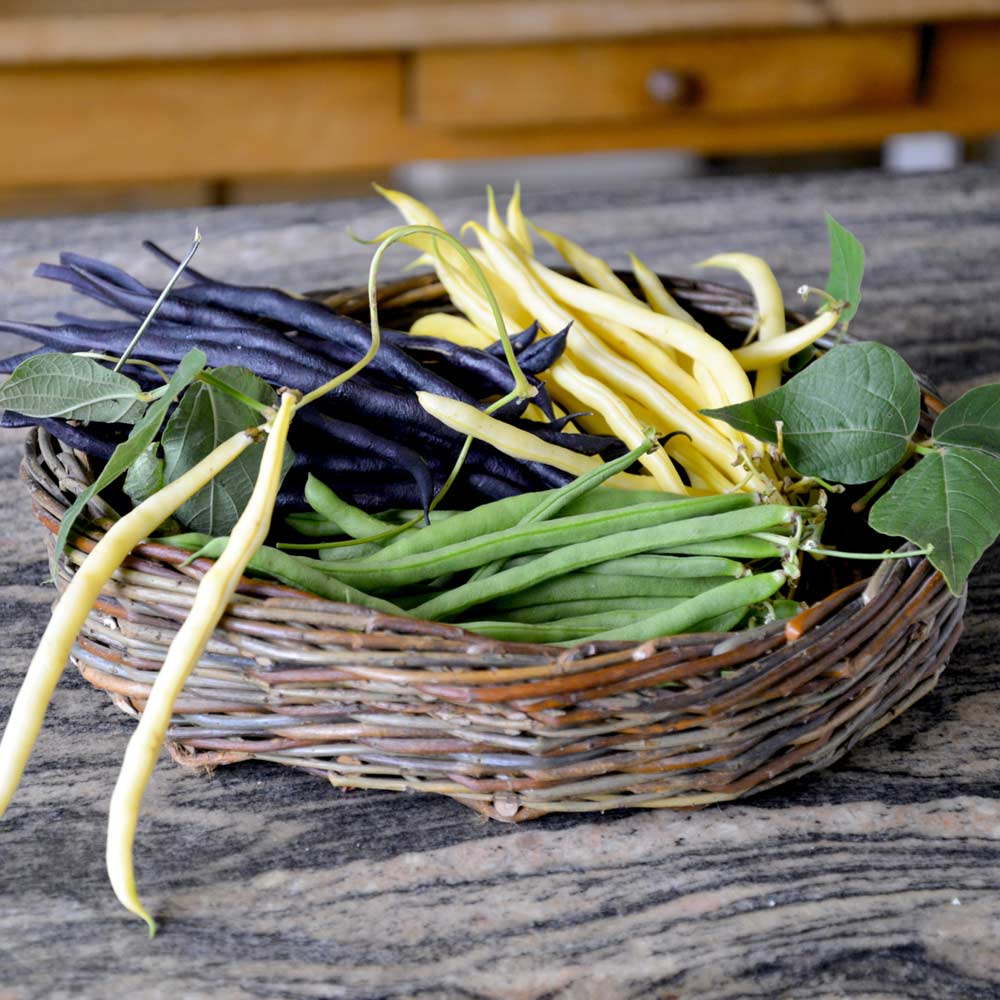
513,730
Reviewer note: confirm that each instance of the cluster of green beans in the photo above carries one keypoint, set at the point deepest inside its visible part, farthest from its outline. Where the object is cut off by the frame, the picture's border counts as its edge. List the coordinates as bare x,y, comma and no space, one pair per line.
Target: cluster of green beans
559,566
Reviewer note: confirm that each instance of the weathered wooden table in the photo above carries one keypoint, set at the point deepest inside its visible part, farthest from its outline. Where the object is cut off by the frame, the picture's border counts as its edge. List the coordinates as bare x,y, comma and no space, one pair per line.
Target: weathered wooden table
879,878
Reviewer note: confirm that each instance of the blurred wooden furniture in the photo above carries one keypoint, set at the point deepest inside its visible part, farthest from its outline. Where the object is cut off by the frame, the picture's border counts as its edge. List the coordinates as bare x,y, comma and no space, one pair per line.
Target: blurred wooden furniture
99,93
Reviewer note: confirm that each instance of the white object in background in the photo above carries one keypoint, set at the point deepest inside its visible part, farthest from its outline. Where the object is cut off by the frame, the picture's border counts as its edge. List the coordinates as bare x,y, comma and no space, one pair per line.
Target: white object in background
917,152
429,179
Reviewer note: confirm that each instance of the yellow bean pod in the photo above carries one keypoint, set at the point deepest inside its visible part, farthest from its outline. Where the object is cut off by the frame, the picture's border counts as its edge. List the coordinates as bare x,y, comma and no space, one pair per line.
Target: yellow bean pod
589,352
78,599
662,329
214,593
651,358
516,222
770,307
417,214
658,362
448,326
496,225
779,349
593,269
513,441
595,396
467,294
659,299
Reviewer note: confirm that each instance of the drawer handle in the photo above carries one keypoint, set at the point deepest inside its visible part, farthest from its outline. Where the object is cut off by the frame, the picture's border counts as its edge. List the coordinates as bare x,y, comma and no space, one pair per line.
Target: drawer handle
668,87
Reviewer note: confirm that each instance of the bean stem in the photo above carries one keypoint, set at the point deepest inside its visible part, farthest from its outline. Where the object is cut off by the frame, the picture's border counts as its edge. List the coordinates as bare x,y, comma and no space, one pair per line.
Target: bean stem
522,388
159,301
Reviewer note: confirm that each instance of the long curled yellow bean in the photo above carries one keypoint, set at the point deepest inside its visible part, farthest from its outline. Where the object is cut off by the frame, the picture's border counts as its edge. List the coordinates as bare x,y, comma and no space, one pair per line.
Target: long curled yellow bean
78,599
214,593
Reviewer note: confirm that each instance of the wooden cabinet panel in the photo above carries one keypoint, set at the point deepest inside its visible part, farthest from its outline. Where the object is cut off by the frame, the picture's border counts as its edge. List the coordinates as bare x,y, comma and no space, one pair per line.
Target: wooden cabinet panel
649,79
152,121
965,66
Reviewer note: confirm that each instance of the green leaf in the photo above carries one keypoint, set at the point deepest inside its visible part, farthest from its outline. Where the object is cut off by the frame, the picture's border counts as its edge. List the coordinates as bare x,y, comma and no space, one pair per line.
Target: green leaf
129,450
847,265
950,499
71,387
145,475
204,418
972,421
847,418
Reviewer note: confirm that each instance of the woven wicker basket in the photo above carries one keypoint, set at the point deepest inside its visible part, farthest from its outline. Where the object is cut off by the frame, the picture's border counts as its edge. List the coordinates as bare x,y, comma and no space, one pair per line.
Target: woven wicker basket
512,730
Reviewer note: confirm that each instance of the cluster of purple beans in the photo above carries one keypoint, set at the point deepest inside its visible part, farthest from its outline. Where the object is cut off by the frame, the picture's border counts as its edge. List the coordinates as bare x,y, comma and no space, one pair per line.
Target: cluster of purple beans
370,436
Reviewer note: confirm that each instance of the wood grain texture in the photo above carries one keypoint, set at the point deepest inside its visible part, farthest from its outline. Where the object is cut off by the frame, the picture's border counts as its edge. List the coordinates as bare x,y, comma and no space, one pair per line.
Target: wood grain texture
58,31
879,878
77,32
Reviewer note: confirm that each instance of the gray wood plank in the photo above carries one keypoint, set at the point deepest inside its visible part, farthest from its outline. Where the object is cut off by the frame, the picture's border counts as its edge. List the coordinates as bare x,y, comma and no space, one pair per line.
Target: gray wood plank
878,878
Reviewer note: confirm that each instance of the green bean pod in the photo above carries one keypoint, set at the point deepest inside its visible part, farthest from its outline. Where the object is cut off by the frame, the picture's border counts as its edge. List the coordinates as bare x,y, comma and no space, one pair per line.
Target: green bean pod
349,519
638,607
502,514
378,576
313,525
671,566
545,632
692,613
736,547
575,629
594,586
362,550
577,488
288,569
725,622
595,550
296,572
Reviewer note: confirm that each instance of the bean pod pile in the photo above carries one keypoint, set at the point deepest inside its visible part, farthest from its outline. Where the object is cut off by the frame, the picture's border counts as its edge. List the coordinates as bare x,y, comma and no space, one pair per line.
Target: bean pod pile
371,433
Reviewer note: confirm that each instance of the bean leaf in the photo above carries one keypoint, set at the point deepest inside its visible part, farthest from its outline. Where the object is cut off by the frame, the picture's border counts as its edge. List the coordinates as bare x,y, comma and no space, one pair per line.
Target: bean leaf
847,265
847,418
972,421
133,446
71,387
204,418
950,499
145,475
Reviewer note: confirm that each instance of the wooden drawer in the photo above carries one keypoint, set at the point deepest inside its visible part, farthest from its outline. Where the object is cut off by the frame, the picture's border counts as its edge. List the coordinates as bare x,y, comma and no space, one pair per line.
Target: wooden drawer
137,122
622,81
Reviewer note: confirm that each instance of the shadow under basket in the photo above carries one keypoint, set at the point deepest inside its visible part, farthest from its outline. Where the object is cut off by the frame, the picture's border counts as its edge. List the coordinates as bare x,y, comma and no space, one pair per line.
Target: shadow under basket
512,730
